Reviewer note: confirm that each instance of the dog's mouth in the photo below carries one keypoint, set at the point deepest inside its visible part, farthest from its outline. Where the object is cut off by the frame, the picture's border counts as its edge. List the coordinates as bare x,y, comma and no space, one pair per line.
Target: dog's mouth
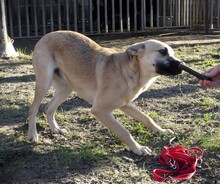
169,67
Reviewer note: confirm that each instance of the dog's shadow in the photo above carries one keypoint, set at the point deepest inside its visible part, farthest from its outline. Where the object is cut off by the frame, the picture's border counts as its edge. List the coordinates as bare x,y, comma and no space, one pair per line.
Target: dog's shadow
169,92
59,161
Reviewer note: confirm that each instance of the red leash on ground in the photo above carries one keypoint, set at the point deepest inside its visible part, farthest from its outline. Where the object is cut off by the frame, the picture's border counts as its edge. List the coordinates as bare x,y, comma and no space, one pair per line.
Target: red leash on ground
182,160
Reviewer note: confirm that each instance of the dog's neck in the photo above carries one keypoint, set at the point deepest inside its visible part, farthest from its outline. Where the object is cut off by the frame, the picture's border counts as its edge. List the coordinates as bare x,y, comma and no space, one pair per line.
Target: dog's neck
137,80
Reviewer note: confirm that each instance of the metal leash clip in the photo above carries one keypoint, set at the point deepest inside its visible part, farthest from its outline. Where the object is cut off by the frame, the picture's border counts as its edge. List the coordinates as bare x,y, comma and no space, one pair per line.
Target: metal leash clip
199,163
172,164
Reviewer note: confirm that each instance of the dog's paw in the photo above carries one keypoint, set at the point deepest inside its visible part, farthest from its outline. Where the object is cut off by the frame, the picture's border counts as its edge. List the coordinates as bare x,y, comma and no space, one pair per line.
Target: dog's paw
142,150
33,137
59,131
166,131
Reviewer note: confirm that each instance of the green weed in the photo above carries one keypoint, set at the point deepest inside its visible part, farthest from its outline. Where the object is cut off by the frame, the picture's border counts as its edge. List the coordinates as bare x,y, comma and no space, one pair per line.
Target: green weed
23,55
210,141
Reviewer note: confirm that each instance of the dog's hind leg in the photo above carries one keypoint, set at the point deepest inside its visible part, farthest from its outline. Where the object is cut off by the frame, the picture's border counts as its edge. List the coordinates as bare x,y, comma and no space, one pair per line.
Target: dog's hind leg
62,92
43,84
44,78
132,111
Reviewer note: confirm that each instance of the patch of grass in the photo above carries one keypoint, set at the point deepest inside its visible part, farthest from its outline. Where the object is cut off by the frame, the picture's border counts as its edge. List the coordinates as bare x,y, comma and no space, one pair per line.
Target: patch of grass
214,52
42,121
206,120
62,117
23,55
90,154
154,115
74,157
210,141
2,75
15,107
12,110
206,101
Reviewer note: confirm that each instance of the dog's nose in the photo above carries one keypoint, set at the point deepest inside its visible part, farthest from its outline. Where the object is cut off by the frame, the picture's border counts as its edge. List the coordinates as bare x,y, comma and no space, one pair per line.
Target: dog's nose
174,59
173,62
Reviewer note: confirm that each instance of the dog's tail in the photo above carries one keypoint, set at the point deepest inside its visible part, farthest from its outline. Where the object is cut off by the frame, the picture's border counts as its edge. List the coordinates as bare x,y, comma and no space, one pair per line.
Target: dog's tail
44,65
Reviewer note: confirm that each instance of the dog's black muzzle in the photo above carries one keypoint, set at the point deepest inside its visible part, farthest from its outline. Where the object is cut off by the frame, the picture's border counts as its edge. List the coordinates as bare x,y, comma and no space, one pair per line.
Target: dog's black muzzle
168,67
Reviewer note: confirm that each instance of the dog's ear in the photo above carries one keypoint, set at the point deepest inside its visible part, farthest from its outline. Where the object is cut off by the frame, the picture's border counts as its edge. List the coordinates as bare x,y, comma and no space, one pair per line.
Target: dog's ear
136,49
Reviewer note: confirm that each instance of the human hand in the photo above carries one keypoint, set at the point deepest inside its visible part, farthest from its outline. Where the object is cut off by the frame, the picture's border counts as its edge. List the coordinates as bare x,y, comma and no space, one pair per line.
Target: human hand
214,74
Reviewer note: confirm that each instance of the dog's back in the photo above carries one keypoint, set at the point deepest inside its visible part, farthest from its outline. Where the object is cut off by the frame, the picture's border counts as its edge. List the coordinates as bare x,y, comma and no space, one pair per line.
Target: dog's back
71,58
66,44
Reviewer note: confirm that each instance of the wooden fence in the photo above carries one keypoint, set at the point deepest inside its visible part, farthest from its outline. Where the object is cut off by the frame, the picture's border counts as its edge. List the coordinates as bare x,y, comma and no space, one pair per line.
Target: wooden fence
34,18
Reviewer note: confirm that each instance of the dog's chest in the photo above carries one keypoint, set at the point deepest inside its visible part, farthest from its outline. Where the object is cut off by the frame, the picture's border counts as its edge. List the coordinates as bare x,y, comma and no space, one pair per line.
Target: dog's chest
133,94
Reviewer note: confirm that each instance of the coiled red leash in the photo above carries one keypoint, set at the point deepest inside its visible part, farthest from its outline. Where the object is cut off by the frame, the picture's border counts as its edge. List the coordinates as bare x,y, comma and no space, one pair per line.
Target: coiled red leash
182,160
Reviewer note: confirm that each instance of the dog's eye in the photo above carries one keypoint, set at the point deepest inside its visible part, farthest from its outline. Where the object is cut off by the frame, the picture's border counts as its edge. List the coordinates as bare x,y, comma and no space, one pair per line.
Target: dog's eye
163,52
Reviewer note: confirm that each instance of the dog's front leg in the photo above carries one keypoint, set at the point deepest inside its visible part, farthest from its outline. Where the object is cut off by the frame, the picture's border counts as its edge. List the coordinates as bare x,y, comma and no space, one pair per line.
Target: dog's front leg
113,125
132,111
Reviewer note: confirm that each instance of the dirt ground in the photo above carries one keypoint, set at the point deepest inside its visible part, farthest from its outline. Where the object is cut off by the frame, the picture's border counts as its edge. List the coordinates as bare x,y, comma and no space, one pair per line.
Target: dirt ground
92,154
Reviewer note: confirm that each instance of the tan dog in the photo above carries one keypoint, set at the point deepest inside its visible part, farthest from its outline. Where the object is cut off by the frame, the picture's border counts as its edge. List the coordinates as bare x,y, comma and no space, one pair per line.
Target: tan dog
105,78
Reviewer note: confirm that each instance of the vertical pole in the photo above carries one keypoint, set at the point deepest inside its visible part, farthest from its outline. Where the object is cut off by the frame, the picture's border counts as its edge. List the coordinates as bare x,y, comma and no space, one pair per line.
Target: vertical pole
83,16
211,16
90,16
19,19
164,13
171,13
152,13
35,18
218,14
187,12
27,18
206,16
10,19
191,14
106,15
51,16
98,16
158,13
142,15
135,15
184,12
59,14
121,17
43,17
178,13
67,15
75,16
128,16
113,16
